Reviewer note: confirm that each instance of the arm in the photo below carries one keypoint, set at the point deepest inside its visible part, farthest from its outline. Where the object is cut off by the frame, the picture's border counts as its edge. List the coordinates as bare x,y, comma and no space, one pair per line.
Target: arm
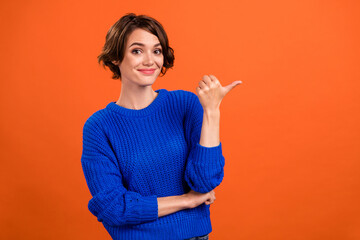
205,168
205,164
171,204
210,129
211,93
192,199
111,203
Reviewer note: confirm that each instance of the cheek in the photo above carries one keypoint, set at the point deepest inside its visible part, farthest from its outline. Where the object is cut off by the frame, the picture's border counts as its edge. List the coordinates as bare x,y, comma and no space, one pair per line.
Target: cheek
160,61
129,63
134,61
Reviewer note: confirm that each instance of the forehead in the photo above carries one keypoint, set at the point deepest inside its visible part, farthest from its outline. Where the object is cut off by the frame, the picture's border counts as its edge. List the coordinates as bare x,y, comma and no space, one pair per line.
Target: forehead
142,36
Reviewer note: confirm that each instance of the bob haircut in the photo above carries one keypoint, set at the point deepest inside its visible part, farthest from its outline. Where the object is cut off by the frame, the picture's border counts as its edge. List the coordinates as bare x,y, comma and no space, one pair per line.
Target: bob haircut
116,39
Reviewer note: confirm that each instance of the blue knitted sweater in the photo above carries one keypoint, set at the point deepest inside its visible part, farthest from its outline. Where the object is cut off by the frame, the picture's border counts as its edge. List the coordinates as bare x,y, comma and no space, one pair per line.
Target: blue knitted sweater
130,157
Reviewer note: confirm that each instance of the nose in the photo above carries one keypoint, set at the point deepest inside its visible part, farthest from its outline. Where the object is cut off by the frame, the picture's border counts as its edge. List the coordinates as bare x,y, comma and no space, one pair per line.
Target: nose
148,59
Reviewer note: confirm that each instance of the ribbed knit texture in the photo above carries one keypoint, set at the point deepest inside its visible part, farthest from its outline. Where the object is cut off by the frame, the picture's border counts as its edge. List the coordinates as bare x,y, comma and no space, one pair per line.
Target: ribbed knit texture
130,157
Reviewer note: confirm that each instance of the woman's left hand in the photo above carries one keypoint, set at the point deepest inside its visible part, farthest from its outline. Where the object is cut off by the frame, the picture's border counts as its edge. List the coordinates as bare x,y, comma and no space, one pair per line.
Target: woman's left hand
210,92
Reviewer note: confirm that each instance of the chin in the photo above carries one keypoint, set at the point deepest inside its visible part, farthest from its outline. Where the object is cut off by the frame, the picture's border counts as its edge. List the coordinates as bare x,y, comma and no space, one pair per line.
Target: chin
147,81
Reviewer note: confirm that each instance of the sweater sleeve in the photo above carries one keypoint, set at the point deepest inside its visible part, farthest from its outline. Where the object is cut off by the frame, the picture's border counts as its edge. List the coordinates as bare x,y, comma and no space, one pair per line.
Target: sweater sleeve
205,165
111,203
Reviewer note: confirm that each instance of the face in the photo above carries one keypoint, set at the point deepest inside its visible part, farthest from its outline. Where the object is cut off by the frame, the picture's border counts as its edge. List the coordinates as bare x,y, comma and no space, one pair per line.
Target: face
143,59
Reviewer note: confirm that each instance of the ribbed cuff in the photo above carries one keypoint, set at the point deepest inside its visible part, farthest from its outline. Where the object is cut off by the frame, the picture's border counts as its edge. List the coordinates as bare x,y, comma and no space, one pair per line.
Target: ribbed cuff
209,157
205,168
144,209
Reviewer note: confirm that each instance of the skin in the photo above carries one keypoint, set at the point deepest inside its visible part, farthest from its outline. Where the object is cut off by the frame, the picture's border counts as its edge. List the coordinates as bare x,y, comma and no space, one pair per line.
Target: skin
136,90
137,93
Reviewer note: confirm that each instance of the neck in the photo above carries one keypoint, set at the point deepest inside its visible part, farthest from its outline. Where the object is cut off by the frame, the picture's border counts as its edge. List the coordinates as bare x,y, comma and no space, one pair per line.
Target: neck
136,98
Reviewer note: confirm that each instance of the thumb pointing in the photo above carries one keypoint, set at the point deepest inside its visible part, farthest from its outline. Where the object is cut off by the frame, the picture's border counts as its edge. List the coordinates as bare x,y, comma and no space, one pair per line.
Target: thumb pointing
232,85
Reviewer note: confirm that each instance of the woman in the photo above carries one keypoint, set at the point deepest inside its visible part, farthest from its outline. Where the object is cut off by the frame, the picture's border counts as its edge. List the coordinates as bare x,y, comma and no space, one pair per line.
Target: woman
152,158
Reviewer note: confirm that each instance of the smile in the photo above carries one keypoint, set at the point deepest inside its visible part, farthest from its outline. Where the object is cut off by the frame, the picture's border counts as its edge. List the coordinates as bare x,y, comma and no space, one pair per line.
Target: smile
147,71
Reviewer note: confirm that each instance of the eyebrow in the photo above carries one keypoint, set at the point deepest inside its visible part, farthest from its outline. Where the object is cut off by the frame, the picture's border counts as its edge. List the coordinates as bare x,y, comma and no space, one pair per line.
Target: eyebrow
141,44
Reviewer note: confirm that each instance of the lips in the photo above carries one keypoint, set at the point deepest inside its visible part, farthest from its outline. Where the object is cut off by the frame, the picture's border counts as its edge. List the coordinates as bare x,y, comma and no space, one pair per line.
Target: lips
147,71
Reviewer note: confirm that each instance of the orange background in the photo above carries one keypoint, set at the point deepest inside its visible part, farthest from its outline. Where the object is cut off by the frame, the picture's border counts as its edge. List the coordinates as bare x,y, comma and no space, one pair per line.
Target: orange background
290,132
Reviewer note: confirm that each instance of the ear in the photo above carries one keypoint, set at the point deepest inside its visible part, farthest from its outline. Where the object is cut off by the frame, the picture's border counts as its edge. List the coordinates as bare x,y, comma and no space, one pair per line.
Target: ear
115,62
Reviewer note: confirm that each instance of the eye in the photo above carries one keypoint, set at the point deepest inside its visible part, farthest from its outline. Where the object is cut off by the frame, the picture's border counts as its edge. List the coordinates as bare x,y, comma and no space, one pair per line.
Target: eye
136,51
158,51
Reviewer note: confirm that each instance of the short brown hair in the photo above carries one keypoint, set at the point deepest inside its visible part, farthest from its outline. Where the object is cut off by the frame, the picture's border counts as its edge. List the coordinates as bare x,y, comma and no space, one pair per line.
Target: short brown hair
117,36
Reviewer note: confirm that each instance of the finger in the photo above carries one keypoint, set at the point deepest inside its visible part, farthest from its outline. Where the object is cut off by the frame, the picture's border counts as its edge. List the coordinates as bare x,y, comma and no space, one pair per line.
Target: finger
231,86
206,79
202,85
197,90
213,78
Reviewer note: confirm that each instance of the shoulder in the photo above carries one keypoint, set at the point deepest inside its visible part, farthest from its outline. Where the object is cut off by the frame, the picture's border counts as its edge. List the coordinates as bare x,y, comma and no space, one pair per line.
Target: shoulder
182,93
95,121
184,97
188,102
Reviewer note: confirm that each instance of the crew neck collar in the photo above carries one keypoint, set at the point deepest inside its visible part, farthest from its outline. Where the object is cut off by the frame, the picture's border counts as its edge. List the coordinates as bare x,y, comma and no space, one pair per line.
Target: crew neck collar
156,103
